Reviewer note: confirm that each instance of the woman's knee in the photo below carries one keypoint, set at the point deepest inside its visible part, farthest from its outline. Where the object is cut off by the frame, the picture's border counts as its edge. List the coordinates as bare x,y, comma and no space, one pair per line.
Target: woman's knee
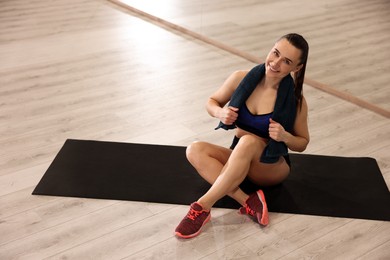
251,142
195,150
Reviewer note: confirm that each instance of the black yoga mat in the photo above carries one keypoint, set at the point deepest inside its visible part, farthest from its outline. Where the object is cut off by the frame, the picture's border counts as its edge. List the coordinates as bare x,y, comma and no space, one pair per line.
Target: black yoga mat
317,185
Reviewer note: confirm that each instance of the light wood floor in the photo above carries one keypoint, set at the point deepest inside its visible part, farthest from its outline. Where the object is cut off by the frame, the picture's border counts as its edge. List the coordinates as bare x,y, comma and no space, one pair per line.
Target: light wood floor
91,70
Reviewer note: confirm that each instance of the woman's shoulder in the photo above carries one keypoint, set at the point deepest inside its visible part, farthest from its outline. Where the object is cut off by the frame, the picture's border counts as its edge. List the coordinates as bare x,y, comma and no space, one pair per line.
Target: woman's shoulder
304,102
236,77
239,74
303,107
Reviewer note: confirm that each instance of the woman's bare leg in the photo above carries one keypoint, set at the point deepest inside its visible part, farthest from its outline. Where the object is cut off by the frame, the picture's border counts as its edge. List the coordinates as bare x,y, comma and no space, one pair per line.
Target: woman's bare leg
209,160
226,169
234,171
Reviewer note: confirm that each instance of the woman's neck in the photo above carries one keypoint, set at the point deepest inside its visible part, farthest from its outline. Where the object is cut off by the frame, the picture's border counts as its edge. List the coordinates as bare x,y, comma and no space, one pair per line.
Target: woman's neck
271,82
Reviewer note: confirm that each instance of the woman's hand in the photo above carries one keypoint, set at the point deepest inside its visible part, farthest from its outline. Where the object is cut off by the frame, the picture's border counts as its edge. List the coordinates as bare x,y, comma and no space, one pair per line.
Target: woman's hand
276,131
228,115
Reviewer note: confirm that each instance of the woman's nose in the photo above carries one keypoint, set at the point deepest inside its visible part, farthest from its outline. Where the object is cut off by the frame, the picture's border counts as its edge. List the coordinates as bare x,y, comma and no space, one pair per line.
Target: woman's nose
278,61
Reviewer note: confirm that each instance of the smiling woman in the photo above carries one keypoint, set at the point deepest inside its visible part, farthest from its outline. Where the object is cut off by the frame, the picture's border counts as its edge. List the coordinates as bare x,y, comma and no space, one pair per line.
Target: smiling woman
269,112
284,52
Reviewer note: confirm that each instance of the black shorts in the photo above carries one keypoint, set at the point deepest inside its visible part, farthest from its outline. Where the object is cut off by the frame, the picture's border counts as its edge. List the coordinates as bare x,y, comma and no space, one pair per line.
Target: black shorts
235,142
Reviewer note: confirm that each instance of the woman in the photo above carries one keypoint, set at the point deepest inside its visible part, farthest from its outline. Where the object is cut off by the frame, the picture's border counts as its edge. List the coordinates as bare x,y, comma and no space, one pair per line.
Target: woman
269,114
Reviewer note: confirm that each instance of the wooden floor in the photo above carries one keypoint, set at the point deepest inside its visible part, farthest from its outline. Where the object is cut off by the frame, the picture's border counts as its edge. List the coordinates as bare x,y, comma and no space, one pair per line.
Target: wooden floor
92,70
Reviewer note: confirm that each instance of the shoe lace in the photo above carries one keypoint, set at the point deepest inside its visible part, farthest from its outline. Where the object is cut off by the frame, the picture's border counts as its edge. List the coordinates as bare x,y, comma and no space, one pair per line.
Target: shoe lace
193,214
249,210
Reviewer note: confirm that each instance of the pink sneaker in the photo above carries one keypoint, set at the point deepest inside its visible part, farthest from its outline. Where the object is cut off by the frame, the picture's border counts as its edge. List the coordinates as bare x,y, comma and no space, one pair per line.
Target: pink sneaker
256,206
193,222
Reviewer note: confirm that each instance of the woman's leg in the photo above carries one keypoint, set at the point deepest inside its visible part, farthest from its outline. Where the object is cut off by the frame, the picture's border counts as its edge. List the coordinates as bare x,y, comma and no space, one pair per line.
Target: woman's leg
235,170
209,160
225,170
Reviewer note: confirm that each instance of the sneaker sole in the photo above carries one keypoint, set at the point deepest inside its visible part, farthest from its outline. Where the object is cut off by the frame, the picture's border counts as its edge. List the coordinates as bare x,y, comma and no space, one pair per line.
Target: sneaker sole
263,219
178,234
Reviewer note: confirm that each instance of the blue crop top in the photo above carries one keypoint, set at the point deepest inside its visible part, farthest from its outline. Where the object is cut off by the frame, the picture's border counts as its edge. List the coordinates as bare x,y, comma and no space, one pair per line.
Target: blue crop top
255,124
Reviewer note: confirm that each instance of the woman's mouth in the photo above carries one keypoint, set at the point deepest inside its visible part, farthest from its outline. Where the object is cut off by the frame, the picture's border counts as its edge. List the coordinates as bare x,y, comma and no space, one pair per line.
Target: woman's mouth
272,68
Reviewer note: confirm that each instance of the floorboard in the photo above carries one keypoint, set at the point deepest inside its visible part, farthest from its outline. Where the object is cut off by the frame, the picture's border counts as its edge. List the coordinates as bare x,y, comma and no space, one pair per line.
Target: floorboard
91,70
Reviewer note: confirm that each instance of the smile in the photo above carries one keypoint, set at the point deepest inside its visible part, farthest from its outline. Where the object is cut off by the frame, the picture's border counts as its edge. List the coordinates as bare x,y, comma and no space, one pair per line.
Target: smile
272,69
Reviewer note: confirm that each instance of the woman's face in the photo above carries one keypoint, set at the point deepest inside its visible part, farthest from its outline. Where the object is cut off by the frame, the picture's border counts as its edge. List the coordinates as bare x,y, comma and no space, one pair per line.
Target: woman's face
283,59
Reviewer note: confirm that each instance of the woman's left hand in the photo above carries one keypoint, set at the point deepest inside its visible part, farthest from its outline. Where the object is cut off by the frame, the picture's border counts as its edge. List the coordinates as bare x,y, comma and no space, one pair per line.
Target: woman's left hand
276,131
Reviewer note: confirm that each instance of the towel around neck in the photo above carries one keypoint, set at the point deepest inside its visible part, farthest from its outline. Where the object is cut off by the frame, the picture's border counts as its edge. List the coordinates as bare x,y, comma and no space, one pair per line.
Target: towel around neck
284,109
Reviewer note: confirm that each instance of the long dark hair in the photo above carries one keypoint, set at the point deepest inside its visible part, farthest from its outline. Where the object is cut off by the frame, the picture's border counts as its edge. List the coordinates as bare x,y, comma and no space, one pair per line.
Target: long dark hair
300,43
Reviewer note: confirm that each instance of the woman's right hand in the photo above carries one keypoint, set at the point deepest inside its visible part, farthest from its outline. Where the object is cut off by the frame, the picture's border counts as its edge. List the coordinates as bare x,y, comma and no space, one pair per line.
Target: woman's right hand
228,115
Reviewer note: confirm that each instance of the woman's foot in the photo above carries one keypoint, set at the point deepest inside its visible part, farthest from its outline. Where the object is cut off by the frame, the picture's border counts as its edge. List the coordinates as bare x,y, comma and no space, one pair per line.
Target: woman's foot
256,206
193,222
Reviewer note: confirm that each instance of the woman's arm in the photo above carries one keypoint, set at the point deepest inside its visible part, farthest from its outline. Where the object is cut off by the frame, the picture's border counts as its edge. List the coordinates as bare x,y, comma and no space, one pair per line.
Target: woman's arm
215,105
299,139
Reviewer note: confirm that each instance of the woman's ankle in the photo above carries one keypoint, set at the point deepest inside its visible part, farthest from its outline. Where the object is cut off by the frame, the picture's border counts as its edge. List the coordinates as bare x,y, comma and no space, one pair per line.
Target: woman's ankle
204,205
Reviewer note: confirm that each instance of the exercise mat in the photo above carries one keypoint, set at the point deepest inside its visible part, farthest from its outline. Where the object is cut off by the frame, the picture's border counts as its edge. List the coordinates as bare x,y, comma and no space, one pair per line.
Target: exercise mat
318,185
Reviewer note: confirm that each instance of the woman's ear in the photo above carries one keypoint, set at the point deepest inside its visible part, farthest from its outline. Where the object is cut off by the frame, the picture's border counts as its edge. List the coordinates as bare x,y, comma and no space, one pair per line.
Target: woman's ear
298,68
